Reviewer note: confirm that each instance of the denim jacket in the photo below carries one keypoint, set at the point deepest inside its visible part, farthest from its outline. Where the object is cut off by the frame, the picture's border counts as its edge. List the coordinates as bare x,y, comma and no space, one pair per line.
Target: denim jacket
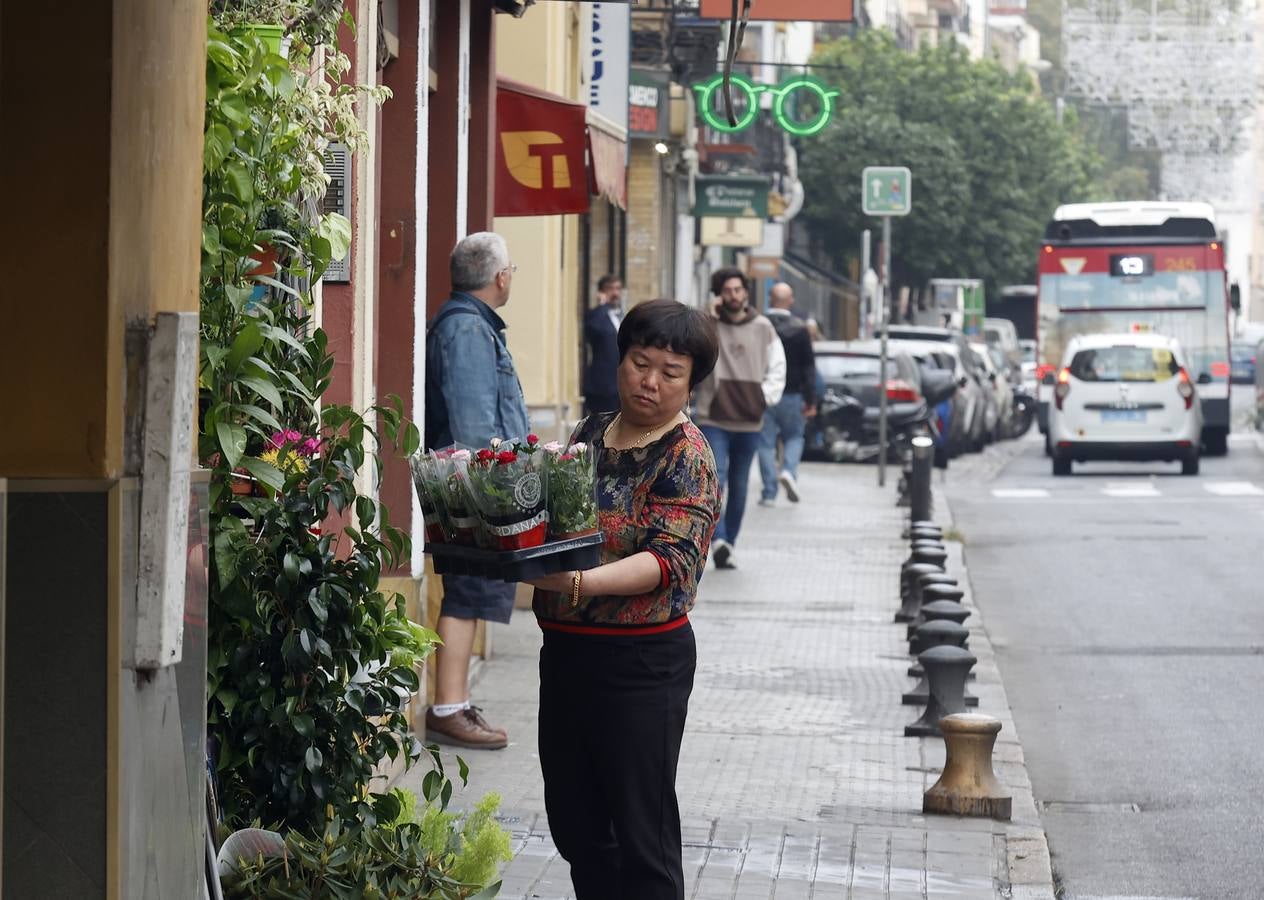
469,366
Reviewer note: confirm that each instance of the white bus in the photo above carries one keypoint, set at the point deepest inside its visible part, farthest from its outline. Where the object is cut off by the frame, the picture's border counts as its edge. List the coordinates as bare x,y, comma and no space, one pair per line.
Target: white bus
1140,267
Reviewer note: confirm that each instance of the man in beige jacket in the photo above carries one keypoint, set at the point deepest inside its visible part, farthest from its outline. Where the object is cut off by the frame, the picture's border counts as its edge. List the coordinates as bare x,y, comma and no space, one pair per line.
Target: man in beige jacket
749,377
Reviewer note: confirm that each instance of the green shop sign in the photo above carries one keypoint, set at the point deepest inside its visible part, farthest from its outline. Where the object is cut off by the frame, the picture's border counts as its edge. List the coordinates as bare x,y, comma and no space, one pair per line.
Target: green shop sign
785,105
731,196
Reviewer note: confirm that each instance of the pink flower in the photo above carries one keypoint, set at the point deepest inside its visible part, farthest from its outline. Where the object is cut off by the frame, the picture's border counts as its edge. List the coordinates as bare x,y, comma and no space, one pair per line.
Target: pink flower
554,447
462,455
310,447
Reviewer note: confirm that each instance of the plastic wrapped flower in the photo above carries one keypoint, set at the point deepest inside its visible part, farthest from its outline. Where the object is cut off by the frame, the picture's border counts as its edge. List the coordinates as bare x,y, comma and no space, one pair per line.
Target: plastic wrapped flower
572,478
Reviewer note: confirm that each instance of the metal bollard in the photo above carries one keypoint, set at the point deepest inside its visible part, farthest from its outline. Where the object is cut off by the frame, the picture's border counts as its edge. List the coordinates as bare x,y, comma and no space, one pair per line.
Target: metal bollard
947,668
911,600
968,786
910,589
932,593
945,609
939,633
925,532
919,478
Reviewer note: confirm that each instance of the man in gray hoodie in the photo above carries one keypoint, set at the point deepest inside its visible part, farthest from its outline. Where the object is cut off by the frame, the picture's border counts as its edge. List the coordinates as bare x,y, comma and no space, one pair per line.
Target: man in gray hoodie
749,377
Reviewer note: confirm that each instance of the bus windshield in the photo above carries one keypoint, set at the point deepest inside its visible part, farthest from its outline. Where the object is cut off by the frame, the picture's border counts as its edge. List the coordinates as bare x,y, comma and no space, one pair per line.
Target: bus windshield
1161,290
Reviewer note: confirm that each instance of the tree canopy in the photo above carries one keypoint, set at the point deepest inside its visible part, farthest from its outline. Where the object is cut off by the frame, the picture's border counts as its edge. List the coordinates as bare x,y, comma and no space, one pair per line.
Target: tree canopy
989,160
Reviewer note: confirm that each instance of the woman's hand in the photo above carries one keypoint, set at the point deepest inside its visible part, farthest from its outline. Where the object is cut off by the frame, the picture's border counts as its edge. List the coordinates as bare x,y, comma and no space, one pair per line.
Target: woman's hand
558,582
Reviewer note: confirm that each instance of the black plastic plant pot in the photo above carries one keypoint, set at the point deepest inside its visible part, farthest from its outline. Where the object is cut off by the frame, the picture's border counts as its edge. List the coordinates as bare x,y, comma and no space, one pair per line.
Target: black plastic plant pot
582,552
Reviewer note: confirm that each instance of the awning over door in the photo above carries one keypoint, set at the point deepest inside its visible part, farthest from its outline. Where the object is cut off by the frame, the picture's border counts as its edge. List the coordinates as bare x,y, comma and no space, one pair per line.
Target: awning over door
548,155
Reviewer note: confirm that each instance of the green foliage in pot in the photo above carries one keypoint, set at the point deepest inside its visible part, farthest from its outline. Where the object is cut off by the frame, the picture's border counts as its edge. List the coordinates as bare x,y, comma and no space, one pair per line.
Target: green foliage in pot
309,662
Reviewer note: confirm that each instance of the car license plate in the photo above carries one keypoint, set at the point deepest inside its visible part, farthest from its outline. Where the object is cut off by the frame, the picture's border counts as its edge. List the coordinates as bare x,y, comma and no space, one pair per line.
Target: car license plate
1123,415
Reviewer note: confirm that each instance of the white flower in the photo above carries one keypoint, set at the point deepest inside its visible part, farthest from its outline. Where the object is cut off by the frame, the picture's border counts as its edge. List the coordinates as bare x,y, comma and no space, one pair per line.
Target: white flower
578,447
494,443
553,447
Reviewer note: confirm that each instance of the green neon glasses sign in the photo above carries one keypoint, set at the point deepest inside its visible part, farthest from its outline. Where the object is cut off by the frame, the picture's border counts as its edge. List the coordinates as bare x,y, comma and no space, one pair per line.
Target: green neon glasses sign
804,86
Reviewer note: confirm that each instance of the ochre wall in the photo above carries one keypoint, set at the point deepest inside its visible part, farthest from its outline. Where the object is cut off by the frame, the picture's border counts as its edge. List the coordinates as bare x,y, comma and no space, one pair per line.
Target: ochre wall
104,194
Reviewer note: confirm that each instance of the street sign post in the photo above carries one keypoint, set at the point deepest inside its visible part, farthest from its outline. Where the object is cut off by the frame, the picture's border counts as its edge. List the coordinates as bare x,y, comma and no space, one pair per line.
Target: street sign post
885,191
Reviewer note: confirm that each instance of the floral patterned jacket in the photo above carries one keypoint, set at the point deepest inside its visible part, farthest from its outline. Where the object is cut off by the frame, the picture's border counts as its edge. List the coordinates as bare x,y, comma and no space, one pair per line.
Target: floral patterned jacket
663,498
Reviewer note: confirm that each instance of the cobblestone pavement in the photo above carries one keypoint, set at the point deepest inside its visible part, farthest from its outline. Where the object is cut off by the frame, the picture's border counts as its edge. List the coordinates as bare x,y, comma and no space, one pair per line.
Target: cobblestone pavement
795,778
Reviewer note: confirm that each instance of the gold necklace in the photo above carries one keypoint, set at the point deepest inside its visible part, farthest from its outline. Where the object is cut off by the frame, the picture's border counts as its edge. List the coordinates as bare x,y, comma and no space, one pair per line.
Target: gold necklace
618,419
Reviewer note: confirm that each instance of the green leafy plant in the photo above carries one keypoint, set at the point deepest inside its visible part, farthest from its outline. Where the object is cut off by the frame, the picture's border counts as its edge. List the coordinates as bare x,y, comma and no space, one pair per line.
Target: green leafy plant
309,664
572,477
416,853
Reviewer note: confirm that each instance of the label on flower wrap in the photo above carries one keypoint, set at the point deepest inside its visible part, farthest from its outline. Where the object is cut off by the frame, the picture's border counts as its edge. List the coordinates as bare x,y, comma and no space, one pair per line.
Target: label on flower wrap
522,534
528,490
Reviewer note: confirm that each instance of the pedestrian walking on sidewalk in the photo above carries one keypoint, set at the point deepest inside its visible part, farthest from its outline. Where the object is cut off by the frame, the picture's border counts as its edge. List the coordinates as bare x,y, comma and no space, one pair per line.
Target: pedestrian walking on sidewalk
617,664
472,396
601,337
787,420
749,377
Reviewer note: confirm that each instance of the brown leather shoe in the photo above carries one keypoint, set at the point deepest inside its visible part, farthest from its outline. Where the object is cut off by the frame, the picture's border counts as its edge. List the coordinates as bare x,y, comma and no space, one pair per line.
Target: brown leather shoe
477,712
464,729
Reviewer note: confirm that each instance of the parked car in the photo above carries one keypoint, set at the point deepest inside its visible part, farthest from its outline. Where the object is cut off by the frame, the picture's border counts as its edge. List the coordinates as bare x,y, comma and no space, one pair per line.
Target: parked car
998,380
846,425
1001,335
1124,396
973,400
1242,362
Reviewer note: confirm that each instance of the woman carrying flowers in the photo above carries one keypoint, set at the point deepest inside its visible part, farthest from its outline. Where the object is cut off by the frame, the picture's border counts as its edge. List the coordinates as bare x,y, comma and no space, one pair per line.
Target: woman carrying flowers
617,664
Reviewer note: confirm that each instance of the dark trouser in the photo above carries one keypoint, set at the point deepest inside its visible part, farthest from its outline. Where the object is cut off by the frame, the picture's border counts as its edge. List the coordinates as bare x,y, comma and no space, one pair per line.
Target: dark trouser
734,452
612,715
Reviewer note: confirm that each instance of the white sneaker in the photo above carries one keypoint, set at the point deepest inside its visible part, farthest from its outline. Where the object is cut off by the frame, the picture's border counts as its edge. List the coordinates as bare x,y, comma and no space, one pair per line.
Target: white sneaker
767,501
722,553
791,486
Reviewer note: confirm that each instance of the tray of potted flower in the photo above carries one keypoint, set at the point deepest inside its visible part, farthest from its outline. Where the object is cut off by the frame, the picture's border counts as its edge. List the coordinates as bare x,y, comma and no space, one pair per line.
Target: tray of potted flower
515,489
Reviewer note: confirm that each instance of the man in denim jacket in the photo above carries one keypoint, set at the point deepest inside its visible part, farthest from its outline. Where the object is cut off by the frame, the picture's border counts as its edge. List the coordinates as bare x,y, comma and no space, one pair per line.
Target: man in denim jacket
472,395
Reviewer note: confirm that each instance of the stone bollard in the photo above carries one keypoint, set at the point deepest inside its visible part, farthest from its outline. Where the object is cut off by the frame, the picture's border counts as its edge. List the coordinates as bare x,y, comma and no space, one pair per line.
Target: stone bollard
939,633
945,609
910,590
919,478
947,668
933,593
968,786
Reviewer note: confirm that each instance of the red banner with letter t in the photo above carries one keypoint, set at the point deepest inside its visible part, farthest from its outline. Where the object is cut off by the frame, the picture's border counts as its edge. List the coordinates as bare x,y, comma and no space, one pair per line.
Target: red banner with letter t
540,152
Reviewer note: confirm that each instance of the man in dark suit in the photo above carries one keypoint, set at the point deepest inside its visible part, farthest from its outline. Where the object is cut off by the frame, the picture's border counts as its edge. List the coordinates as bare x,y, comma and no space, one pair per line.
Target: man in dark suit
601,332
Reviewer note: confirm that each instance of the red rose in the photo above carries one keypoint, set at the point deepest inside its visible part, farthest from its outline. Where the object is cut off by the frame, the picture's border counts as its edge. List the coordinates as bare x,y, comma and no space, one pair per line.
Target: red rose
485,455
506,456
532,440
566,457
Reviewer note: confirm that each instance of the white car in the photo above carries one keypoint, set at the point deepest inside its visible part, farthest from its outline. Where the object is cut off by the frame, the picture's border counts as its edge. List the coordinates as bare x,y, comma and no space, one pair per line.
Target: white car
1124,396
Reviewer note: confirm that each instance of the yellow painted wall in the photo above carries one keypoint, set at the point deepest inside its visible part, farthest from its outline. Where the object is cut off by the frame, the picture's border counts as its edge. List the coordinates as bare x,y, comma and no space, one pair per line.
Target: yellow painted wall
105,203
543,49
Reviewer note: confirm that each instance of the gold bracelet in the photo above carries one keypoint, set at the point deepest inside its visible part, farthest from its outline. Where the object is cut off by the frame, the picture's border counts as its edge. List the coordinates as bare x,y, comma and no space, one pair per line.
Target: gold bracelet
577,581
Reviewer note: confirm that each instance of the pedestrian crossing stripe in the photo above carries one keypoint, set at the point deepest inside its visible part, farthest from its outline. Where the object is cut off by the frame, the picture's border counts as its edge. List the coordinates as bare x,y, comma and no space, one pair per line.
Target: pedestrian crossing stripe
1132,490
1232,489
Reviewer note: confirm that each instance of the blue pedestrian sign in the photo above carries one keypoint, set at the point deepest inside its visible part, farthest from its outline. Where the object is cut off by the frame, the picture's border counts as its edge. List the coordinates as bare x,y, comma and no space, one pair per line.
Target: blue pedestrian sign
886,191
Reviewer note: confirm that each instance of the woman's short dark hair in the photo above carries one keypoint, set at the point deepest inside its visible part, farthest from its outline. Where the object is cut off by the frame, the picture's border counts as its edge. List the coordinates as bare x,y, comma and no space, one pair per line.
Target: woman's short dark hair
670,325
720,276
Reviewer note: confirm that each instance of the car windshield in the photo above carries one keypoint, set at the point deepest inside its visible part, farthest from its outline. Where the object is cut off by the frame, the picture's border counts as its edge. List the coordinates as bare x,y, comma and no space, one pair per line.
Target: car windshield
1124,363
846,368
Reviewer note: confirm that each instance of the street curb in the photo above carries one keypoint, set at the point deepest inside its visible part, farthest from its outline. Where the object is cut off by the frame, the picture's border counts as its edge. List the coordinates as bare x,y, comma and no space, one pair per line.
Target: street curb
1029,865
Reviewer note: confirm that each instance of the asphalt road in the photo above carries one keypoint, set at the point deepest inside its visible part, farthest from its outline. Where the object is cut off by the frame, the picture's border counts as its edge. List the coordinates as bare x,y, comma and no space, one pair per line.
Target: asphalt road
1126,604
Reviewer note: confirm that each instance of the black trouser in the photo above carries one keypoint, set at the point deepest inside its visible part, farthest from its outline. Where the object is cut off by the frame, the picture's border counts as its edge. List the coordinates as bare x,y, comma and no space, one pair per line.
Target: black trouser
612,715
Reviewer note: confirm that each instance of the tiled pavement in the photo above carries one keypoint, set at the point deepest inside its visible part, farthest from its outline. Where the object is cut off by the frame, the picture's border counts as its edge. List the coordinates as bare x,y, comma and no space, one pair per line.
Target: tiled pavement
795,779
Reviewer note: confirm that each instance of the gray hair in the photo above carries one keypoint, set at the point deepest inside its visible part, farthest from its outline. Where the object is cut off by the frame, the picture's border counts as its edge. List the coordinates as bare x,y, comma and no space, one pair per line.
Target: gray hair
476,260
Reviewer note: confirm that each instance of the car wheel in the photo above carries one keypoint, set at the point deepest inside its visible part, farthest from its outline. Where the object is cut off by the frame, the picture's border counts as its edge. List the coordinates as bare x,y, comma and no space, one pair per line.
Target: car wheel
1190,466
1061,465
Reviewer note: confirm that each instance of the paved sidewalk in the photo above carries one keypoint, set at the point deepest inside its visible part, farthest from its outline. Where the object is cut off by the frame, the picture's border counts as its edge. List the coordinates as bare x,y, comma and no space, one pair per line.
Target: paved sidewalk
795,778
